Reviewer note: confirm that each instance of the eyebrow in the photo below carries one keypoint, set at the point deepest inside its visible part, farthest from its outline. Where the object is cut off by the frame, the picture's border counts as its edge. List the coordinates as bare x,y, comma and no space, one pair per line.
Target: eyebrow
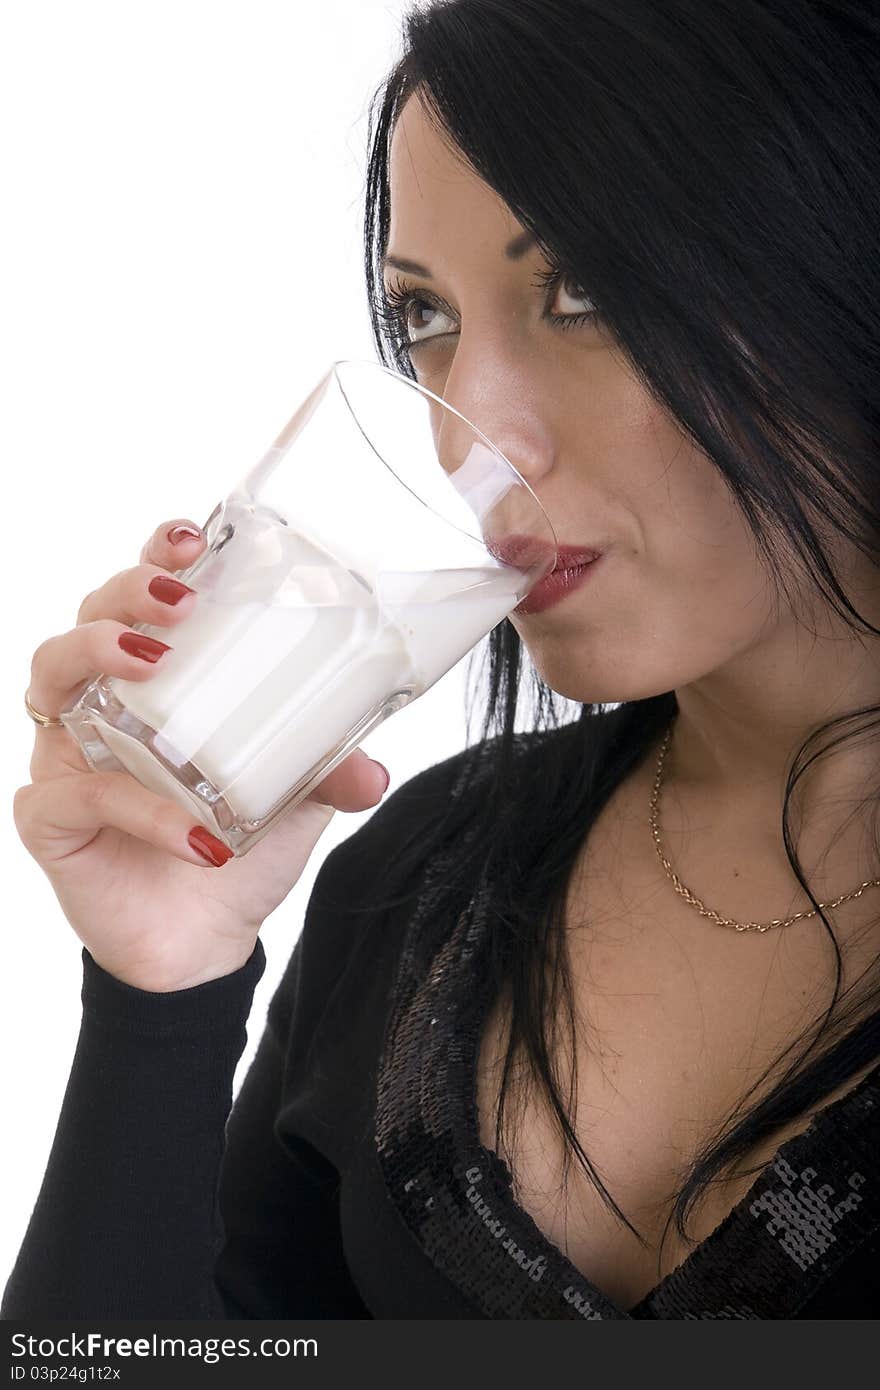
514,251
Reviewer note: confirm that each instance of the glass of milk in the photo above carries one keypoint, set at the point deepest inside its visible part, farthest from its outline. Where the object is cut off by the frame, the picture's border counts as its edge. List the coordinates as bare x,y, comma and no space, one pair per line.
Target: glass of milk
376,542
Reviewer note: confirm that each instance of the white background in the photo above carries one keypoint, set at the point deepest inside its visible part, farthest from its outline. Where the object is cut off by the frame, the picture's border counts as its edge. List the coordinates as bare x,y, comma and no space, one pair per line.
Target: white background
181,260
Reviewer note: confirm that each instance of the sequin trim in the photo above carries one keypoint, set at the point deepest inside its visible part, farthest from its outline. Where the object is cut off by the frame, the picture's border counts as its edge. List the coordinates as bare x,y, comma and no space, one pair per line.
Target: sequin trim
810,1207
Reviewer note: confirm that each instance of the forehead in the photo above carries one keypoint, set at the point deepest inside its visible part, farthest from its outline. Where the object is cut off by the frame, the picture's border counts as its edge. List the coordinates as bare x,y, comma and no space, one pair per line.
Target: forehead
441,210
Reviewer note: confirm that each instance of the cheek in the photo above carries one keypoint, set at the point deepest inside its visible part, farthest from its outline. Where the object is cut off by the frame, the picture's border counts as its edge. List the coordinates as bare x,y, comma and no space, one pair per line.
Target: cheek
695,549
684,589
657,477
668,497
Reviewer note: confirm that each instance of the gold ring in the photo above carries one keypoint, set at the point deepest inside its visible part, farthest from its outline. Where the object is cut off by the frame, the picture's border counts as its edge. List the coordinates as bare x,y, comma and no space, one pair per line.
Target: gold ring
42,719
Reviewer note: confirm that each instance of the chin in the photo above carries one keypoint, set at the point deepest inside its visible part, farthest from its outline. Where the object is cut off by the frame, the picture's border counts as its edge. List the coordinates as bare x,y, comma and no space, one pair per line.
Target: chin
595,684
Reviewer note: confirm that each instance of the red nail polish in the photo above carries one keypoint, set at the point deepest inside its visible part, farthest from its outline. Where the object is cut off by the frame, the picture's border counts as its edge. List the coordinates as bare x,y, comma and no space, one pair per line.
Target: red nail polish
209,846
147,648
168,590
183,533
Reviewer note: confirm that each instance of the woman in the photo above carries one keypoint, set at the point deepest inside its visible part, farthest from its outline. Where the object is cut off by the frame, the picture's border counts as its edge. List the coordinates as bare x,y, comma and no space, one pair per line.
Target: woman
636,244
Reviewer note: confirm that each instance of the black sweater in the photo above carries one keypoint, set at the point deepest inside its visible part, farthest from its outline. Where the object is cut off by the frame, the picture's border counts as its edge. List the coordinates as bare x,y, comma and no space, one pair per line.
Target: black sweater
348,1181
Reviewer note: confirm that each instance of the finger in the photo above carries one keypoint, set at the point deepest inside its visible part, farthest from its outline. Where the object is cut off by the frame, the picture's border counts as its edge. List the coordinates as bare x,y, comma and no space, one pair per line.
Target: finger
61,664
174,545
57,818
143,594
356,784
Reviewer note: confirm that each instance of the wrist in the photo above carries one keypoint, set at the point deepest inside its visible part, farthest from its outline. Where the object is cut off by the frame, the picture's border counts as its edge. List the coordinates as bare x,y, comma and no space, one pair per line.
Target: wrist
104,992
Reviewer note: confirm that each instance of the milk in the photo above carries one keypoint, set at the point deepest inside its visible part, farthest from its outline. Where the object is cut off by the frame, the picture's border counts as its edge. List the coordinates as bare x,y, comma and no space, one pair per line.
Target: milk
286,654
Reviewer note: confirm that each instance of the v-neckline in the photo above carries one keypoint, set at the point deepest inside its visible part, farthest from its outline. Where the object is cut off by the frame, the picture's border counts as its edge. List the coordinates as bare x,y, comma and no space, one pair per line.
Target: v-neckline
474,1021
810,1208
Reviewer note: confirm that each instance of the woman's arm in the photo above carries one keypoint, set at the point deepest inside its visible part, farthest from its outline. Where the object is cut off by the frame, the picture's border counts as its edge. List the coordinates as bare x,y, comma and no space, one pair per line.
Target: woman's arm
125,1224
158,1202
128,1221
282,1256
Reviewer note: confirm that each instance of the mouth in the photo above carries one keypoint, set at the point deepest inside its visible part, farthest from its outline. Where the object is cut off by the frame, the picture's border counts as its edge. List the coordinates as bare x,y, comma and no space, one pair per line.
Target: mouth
574,567
572,557
525,551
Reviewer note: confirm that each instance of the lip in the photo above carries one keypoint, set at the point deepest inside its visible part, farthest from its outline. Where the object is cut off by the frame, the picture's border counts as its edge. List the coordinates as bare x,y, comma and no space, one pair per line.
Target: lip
525,551
574,563
558,584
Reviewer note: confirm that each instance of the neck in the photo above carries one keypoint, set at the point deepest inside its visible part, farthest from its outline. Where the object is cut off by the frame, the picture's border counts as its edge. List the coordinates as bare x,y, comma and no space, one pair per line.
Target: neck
739,728
737,734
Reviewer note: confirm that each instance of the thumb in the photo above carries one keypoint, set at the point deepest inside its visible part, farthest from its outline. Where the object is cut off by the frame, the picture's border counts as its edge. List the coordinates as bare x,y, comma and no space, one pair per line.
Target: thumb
355,785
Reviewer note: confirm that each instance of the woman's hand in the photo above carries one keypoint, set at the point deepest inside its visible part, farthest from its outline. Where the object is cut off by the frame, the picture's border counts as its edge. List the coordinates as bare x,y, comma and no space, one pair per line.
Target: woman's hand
150,908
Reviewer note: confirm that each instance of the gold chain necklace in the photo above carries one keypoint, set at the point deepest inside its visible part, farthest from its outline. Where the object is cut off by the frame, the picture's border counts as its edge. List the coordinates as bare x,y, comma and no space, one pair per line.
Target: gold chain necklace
694,901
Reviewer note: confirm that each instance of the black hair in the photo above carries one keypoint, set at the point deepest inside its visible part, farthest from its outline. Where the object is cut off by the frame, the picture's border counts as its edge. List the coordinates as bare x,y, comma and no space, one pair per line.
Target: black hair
710,175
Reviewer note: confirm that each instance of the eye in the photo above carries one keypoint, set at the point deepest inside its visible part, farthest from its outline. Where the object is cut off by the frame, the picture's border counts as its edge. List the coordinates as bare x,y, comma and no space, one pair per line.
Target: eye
413,316
562,287
577,295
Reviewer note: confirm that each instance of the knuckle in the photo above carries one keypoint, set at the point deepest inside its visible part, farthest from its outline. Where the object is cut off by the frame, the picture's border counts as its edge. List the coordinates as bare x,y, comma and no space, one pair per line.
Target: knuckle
22,803
93,636
129,581
45,651
37,762
37,658
84,606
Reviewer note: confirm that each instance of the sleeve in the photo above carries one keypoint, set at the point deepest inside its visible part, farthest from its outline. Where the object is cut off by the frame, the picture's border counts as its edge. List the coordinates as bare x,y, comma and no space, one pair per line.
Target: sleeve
162,1200
279,1194
124,1224
147,1162
282,1255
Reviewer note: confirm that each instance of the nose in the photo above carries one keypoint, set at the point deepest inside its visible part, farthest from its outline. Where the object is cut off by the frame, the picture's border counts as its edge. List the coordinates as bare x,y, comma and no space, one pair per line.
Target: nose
503,400
501,404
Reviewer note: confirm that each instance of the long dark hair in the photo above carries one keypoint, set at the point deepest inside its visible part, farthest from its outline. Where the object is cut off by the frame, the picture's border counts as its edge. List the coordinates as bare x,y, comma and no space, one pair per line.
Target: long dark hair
709,174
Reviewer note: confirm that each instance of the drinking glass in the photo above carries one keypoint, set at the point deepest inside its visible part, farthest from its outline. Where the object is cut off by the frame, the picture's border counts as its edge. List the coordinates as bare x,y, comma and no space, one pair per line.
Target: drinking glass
376,542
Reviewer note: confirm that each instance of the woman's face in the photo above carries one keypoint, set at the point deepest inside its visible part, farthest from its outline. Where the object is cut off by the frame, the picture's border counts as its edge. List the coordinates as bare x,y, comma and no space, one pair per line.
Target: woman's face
679,590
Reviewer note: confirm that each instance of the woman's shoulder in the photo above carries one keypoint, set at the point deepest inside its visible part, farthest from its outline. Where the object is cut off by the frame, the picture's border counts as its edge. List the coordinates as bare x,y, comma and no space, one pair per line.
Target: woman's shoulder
366,889
349,891
329,1009
429,797
375,892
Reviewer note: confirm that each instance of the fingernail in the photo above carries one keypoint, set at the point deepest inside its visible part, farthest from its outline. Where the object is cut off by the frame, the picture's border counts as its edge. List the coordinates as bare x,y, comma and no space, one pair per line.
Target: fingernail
183,533
384,769
168,590
209,846
147,648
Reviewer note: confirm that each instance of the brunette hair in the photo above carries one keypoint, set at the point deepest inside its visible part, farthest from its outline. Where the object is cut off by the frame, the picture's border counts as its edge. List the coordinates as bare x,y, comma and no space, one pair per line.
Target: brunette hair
710,175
